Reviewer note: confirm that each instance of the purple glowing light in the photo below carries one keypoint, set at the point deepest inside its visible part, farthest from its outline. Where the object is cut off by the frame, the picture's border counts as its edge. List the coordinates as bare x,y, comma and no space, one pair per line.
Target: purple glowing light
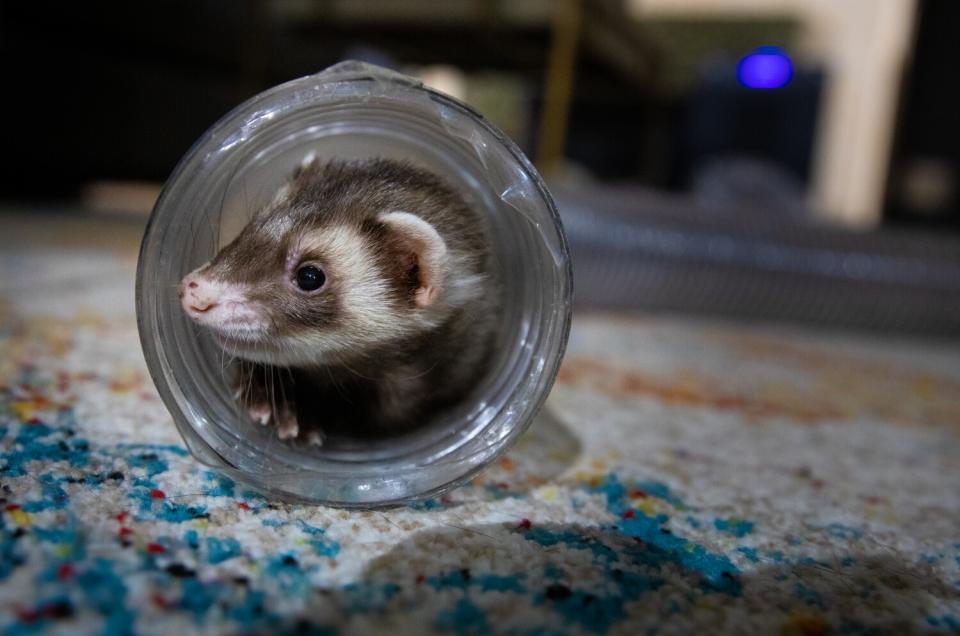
767,67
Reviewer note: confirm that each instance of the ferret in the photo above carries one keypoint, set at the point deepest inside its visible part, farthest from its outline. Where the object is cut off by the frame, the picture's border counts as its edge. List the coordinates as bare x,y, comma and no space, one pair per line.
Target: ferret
360,299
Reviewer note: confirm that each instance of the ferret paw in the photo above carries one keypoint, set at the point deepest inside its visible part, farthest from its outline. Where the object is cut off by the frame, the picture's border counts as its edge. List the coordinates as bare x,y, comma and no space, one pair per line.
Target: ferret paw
287,426
260,413
315,438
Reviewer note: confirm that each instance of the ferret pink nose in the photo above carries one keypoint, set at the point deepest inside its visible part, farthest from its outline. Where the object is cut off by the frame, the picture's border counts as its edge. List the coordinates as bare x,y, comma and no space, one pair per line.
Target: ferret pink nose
197,295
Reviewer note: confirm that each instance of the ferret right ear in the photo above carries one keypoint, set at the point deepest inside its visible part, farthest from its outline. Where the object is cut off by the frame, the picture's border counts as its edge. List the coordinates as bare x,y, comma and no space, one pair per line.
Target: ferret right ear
284,191
308,160
428,252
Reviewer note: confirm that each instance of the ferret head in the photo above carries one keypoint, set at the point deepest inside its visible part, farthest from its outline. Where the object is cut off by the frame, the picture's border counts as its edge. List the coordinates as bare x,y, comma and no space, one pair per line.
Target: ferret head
340,264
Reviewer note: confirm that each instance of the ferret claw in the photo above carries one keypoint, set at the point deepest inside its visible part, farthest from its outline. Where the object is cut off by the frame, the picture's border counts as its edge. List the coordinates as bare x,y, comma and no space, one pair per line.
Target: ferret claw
315,438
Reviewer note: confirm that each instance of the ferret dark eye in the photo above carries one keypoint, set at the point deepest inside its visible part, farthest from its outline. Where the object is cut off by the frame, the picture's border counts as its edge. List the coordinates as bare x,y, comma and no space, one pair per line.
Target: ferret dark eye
310,278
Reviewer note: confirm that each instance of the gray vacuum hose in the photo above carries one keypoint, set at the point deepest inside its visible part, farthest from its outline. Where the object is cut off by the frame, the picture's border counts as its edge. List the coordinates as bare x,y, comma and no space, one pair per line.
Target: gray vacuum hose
635,249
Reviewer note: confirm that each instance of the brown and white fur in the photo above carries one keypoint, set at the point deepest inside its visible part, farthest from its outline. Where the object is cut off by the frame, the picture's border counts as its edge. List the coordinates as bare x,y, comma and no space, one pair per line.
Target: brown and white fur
402,324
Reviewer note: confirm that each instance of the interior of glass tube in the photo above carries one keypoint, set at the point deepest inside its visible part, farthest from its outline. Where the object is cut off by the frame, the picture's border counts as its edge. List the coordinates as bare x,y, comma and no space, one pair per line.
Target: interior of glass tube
238,167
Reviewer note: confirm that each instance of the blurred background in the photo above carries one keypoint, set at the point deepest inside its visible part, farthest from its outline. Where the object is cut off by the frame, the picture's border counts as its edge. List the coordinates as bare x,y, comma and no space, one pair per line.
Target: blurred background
793,160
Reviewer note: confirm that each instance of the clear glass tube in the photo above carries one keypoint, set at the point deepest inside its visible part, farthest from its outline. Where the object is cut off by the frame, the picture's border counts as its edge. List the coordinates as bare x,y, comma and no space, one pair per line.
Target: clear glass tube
354,110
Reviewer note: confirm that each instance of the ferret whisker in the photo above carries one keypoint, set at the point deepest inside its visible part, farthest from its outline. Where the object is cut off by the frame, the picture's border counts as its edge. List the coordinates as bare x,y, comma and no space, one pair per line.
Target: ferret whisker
336,385
356,373
270,393
250,383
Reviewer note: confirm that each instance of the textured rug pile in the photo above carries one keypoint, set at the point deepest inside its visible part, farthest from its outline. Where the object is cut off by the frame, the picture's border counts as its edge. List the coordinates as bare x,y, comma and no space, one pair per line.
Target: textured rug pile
686,477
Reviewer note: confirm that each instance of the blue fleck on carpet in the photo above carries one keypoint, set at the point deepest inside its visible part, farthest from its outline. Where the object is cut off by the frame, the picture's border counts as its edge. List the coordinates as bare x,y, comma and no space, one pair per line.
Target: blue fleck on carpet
688,476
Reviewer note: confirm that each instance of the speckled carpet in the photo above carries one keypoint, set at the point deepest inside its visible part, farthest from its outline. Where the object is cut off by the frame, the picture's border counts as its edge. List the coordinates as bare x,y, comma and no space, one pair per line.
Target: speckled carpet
687,477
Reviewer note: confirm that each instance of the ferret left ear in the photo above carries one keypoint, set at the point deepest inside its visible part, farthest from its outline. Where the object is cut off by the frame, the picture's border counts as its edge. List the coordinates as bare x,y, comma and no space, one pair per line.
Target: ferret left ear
426,247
